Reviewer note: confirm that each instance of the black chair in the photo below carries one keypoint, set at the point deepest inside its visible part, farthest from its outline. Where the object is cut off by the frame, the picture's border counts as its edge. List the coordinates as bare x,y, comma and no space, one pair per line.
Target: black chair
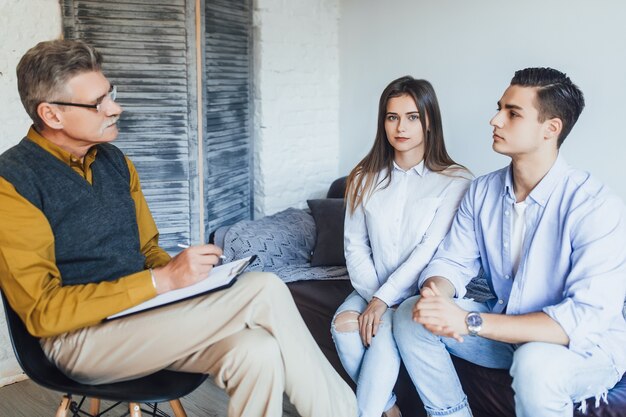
152,389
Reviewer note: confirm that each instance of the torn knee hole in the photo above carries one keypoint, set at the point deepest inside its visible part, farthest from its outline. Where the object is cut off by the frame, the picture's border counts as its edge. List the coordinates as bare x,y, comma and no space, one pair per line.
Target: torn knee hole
347,321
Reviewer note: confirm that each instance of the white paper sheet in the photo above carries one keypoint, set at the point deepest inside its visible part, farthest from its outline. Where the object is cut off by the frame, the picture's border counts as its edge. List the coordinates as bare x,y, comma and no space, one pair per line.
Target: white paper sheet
220,276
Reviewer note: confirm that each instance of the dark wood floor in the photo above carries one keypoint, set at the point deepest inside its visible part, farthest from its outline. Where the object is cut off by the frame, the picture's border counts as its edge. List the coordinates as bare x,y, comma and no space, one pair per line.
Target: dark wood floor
26,399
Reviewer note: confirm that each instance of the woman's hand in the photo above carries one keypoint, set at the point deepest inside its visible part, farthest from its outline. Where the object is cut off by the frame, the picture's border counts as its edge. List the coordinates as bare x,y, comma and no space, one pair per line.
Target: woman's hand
370,319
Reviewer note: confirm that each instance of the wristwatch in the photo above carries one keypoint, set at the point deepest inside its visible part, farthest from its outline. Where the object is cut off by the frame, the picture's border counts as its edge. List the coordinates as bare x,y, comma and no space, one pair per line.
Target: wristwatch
474,322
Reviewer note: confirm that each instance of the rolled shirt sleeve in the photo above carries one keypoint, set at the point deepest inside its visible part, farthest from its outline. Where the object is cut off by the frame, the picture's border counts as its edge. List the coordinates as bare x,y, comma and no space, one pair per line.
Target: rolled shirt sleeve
596,285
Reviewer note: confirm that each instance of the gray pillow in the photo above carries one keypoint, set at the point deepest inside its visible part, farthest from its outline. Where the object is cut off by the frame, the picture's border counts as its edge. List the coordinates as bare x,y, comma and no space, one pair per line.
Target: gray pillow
284,238
329,215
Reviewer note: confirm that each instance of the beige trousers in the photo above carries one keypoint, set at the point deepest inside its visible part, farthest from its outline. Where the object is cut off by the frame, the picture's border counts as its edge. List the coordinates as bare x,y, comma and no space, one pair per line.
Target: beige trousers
249,337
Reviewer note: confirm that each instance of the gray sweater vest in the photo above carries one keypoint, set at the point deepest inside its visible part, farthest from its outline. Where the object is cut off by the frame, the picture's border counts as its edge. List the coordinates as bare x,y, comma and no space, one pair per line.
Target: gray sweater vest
96,237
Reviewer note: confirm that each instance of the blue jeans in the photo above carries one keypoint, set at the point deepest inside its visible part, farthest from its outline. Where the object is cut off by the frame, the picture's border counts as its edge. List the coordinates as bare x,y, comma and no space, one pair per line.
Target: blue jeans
375,369
547,378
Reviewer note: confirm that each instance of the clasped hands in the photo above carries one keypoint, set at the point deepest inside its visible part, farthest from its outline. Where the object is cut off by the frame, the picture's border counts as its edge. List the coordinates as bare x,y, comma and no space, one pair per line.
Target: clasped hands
439,314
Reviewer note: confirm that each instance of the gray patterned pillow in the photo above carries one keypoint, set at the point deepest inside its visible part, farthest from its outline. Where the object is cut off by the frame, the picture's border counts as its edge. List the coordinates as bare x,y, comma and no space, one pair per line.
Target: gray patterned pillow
284,238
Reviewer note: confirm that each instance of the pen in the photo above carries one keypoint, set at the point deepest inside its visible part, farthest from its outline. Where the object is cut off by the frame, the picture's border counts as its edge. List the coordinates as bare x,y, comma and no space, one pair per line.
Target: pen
182,245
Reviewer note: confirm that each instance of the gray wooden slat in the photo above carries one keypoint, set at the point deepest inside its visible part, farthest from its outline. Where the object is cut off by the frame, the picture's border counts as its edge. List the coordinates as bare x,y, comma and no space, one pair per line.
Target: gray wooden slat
228,116
138,3
149,55
149,51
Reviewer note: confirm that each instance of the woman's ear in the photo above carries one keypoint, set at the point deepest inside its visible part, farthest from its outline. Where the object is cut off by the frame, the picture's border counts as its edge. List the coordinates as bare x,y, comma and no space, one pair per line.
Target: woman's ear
50,115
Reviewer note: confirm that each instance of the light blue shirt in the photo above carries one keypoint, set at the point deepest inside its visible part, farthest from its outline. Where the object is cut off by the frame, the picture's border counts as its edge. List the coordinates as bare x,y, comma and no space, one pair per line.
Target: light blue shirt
573,260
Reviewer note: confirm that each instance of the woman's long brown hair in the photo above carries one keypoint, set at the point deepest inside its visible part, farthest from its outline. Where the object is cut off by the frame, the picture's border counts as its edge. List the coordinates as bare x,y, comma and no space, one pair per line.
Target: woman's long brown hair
360,183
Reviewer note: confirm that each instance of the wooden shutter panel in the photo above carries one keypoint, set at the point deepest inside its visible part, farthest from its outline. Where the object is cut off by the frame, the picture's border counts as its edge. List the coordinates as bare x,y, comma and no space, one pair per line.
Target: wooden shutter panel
150,55
227,138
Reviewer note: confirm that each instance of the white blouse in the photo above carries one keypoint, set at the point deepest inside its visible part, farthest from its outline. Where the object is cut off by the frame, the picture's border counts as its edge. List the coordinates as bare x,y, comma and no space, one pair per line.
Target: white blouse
390,238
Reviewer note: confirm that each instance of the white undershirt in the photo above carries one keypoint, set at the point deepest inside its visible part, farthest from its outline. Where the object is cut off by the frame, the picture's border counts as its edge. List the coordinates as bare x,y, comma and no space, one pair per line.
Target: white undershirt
517,233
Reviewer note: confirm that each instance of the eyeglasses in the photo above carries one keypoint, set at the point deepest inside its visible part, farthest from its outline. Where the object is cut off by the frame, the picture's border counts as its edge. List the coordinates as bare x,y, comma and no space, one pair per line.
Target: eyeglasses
112,95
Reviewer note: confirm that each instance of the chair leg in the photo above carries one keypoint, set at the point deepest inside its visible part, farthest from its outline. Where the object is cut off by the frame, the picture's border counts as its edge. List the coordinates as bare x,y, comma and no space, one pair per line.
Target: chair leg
64,406
135,410
94,408
177,408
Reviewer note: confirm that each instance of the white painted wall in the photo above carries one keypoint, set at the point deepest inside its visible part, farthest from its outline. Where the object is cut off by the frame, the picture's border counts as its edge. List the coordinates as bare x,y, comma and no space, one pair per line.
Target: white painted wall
469,50
296,101
22,25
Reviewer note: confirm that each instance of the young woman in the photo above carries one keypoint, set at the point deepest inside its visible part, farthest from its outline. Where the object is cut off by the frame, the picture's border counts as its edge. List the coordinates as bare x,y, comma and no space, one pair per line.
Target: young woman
401,199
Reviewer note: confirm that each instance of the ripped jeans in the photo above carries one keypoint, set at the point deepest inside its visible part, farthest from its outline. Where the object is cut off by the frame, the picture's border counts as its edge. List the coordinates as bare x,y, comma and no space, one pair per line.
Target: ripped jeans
547,378
375,369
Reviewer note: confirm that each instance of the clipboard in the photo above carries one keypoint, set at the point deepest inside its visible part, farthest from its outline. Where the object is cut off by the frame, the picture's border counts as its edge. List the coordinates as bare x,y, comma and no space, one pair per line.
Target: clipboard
221,277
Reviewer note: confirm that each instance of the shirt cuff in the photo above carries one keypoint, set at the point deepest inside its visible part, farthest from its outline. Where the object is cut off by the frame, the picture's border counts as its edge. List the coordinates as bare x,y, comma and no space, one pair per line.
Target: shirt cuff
384,296
139,287
448,272
153,279
566,315
389,294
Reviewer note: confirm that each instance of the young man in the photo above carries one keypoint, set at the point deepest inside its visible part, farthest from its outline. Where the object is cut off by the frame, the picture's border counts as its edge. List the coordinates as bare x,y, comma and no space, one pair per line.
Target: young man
78,244
552,243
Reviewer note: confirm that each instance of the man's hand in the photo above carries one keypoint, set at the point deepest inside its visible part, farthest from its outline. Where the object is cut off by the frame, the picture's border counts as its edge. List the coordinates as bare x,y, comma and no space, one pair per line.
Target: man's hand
370,319
188,267
439,314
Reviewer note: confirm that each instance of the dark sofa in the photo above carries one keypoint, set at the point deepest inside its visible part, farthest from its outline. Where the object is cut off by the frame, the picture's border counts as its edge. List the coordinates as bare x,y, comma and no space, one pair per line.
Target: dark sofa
489,391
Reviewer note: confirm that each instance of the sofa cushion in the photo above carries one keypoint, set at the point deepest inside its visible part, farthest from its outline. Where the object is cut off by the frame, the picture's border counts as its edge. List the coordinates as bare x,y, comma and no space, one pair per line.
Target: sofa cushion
282,239
329,215
282,242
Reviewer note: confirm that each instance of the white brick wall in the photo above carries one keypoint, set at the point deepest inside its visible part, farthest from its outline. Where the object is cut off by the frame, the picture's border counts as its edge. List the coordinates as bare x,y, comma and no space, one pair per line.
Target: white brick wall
296,101
22,25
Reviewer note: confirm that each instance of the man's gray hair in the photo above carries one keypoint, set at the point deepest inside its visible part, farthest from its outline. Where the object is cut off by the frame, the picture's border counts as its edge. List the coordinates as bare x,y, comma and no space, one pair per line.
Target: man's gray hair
45,69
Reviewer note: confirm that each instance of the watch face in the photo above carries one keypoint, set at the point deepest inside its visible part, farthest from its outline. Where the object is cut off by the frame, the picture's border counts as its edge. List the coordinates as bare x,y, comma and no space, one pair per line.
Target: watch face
474,320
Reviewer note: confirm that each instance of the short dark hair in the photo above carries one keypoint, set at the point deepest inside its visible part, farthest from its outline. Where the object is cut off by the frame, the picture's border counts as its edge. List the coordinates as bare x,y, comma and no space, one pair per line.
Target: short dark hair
44,70
557,96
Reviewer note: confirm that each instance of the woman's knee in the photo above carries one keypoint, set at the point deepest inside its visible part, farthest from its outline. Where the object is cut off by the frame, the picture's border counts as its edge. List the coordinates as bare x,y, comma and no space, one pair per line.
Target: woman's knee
346,322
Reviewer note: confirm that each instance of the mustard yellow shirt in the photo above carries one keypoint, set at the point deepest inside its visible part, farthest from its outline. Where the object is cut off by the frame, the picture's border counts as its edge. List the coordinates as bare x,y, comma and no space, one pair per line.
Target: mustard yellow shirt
30,278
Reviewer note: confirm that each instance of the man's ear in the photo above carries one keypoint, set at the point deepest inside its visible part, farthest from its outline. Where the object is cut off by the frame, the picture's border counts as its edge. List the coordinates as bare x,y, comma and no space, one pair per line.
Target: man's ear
50,115
553,128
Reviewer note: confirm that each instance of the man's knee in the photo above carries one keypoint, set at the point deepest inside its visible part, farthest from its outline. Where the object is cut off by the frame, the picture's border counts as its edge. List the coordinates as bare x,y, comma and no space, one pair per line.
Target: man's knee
346,322
264,281
403,318
256,349
538,368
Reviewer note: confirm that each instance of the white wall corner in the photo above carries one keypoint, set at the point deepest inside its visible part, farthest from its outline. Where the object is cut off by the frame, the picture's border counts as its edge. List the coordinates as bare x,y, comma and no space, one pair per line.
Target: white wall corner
296,89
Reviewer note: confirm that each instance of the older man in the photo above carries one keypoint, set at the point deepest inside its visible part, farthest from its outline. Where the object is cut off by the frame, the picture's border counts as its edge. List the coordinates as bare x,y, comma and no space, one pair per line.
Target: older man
78,244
